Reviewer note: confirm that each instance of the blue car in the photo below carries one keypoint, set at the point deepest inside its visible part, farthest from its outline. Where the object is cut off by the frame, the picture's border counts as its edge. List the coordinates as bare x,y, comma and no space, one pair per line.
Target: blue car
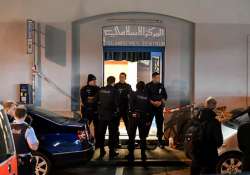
63,140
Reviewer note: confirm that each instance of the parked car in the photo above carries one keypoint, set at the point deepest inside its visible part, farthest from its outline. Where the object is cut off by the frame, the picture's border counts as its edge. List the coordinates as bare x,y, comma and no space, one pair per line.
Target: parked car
230,156
8,161
230,160
63,140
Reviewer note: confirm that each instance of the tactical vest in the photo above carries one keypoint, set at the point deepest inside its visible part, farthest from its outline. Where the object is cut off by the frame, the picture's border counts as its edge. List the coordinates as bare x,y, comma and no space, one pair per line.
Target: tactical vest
21,144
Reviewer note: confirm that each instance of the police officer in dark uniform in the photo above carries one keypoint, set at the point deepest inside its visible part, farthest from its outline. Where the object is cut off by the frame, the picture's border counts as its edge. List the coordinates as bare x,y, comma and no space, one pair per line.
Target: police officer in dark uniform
25,141
205,159
89,103
244,143
139,113
124,90
108,108
157,96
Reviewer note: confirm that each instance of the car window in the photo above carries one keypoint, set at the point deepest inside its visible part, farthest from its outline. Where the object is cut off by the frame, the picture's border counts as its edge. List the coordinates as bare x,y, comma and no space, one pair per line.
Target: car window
242,119
235,123
6,140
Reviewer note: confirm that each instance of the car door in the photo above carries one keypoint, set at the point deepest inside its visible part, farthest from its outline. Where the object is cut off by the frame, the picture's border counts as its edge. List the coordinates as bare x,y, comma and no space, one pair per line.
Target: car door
8,161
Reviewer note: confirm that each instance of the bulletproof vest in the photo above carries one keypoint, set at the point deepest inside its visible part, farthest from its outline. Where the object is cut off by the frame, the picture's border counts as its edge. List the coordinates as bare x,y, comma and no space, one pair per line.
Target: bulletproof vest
155,91
90,91
124,90
142,102
107,99
18,131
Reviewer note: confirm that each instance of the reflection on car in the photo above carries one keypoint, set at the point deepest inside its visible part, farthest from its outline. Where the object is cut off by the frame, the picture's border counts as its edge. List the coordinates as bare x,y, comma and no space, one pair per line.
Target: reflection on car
230,160
63,140
8,161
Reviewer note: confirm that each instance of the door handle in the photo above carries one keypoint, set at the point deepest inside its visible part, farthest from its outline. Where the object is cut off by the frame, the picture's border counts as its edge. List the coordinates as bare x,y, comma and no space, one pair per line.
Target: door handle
9,168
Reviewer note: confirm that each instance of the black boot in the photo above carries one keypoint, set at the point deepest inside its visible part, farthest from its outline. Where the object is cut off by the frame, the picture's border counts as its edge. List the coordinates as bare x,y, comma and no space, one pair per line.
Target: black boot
143,156
143,149
161,143
113,154
102,153
130,157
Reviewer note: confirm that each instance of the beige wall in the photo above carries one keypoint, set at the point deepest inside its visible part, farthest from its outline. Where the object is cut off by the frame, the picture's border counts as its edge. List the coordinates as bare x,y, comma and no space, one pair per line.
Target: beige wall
199,11
15,67
60,75
221,63
178,60
15,64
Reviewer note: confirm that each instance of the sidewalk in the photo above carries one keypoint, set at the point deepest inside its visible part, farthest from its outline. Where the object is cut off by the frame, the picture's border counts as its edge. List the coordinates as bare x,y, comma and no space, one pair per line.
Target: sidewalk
156,157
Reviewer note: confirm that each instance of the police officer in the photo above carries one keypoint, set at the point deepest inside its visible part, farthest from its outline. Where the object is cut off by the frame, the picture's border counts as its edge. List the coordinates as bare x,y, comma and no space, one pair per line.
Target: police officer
89,103
139,114
244,143
157,96
25,140
9,108
124,90
108,108
206,159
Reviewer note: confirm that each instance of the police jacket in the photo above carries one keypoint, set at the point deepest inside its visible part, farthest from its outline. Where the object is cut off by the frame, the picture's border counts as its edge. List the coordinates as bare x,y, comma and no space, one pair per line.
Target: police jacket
107,102
124,90
139,102
243,139
212,135
89,96
21,144
156,91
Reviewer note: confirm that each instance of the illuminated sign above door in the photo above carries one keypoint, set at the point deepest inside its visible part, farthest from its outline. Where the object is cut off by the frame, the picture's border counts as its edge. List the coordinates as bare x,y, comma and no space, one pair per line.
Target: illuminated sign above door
134,35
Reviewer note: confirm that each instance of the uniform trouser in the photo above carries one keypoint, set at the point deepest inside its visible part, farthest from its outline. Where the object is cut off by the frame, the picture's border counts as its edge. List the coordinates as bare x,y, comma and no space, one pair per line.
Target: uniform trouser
140,122
246,163
26,166
124,115
158,114
92,116
103,125
199,168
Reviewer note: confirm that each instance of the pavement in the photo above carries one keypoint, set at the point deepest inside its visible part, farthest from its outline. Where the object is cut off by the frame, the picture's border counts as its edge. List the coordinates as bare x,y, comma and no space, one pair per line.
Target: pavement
165,161
89,170
156,157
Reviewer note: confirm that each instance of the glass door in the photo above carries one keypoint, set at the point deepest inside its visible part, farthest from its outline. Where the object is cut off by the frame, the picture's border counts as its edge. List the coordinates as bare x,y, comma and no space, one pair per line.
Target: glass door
137,70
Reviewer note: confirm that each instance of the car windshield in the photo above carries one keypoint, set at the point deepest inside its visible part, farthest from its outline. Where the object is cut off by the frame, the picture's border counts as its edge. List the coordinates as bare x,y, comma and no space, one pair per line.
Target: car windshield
58,118
6,141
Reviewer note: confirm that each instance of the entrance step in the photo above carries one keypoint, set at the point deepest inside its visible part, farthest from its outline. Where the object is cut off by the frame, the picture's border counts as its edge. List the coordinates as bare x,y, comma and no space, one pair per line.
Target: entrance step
123,140
156,157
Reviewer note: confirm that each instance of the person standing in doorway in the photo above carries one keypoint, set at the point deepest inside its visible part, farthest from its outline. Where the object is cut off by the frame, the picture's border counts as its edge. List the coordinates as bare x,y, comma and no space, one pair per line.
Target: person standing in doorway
139,112
108,109
124,90
89,104
157,96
